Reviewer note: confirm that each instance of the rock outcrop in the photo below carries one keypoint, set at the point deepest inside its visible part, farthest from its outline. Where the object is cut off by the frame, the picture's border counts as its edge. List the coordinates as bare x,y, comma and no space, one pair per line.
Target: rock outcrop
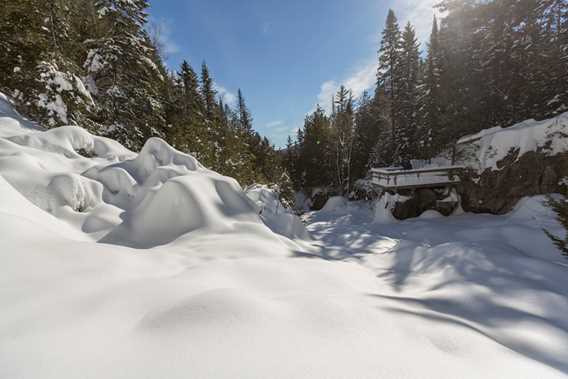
498,191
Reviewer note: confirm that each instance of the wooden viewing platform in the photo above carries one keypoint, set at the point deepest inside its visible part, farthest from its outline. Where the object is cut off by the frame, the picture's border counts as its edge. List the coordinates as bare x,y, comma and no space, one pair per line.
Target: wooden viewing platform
399,179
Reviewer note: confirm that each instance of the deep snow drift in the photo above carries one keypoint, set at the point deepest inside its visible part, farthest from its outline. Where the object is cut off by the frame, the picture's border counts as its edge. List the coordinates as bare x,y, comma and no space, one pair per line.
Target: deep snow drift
122,265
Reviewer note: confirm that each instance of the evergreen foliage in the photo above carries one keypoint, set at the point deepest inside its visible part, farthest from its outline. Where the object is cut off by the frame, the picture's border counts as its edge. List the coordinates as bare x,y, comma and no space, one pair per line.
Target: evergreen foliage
487,63
560,207
93,63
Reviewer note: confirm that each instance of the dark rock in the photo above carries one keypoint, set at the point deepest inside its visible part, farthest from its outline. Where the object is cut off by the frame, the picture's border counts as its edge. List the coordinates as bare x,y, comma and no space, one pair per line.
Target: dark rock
498,191
422,200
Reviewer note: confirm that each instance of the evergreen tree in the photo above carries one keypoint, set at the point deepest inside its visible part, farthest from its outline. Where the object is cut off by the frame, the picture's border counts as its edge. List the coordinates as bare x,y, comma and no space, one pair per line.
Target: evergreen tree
245,119
431,114
123,74
343,135
560,207
368,128
208,93
388,76
407,118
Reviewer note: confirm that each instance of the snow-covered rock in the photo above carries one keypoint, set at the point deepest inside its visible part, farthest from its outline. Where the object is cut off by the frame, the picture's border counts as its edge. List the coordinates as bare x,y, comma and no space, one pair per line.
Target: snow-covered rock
489,147
278,218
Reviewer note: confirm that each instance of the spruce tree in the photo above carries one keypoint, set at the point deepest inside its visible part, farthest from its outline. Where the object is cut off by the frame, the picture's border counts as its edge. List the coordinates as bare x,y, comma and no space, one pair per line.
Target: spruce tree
208,93
245,119
123,74
407,119
343,135
560,207
388,75
431,112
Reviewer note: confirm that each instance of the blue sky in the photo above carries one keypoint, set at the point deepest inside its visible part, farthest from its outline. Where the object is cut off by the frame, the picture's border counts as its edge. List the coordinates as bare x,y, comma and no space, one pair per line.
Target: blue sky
286,55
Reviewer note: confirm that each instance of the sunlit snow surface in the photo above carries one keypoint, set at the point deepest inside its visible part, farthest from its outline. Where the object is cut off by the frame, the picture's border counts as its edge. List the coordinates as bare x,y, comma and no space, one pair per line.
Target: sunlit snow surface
150,266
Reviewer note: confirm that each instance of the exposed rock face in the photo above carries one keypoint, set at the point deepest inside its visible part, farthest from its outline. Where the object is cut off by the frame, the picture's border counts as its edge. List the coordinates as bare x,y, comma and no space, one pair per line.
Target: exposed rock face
422,200
498,191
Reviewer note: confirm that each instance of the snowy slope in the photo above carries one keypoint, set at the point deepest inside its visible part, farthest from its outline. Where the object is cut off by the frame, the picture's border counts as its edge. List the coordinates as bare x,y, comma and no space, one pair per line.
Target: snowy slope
122,265
12,122
484,149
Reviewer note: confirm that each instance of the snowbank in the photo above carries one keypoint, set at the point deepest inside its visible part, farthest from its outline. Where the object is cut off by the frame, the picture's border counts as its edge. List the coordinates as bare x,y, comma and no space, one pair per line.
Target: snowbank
490,146
118,197
277,217
383,208
11,122
335,203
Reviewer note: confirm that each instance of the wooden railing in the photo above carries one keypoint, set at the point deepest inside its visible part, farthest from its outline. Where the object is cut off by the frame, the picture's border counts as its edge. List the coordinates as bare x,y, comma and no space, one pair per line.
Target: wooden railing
395,178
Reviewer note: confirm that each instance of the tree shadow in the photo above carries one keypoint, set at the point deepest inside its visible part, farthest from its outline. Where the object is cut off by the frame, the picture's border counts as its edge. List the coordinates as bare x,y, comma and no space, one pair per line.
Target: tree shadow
486,321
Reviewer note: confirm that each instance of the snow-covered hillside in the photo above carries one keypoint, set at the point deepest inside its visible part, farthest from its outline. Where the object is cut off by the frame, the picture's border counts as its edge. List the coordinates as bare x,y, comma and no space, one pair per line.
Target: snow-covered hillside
122,265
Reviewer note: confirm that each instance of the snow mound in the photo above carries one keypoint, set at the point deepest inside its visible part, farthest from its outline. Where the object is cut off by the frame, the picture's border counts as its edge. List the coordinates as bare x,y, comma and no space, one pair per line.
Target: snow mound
334,204
277,217
431,214
74,191
140,200
383,208
180,206
155,154
11,122
73,142
488,147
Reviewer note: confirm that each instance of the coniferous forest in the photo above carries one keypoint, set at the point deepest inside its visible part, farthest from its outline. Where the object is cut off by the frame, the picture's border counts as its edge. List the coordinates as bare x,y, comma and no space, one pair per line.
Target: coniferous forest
148,230
96,64
487,63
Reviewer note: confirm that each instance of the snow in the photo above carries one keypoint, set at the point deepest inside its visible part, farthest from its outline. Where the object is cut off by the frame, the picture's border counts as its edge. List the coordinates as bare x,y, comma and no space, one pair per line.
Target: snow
11,122
335,203
492,145
278,218
117,264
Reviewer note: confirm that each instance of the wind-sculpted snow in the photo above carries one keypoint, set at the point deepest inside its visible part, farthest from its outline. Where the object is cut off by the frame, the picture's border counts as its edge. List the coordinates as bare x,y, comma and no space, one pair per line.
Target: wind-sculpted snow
278,218
217,294
139,200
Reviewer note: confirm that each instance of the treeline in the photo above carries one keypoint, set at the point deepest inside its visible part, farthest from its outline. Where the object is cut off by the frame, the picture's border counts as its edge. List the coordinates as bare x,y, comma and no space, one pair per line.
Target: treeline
93,63
487,63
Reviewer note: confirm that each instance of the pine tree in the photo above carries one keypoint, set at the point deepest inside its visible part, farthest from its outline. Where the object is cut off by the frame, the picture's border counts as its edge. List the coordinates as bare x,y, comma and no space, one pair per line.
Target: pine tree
123,73
560,207
388,75
208,93
407,118
431,115
554,17
343,134
368,128
245,119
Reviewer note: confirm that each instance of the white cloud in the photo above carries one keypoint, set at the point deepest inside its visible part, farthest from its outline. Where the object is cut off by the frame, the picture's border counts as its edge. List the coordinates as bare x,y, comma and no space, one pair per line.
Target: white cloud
227,96
275,124
420,14
161,32
359,81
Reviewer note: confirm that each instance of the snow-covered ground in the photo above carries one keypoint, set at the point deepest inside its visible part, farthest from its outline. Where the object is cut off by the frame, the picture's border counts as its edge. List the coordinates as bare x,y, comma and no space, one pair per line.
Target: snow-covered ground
123,265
